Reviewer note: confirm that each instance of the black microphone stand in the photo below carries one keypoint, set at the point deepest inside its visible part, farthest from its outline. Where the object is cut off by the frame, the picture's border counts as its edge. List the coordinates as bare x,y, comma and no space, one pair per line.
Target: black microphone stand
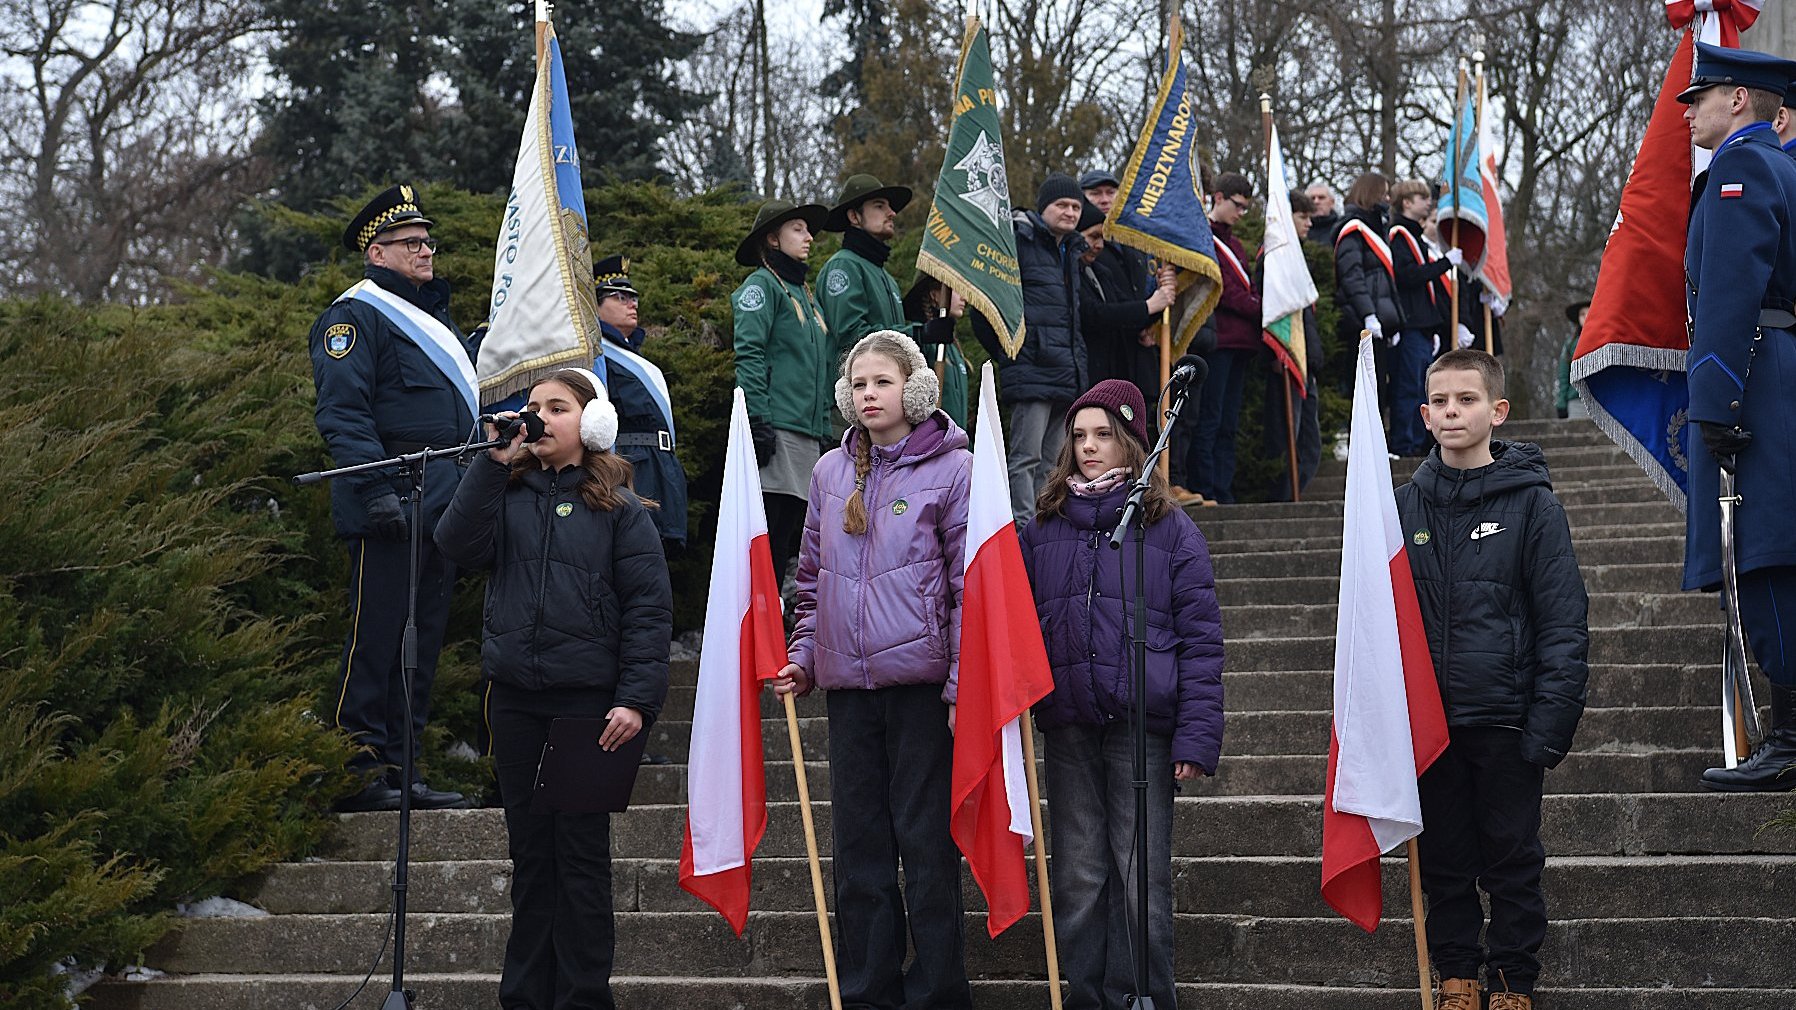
412,463
1132,516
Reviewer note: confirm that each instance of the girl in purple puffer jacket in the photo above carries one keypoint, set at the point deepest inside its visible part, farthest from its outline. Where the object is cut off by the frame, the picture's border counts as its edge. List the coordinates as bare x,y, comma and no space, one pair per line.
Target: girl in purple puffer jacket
878,628
1084,592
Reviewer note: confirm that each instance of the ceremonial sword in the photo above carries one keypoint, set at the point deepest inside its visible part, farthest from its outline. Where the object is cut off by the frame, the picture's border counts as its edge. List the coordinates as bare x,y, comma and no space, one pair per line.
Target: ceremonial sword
1739,716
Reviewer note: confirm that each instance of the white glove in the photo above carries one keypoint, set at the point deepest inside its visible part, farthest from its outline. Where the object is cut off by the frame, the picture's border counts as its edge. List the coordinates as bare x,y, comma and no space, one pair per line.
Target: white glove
1437,345
1454,256
1465,337
1373,327
1498,304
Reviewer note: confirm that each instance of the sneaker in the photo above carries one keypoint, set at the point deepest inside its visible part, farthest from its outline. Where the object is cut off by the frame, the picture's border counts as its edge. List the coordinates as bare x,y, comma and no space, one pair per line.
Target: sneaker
1457,994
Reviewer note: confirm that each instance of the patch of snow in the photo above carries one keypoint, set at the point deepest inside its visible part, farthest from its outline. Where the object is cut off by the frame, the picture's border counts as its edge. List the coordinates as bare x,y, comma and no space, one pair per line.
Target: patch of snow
219,908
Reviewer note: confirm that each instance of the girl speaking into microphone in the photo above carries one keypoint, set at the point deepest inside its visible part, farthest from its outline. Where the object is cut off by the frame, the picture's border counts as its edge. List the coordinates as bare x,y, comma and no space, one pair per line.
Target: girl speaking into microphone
579,616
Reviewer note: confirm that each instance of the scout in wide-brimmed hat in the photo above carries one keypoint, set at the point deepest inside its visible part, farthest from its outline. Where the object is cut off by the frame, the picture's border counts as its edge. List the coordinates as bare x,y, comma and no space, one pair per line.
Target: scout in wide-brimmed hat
858,190
390,209
772,214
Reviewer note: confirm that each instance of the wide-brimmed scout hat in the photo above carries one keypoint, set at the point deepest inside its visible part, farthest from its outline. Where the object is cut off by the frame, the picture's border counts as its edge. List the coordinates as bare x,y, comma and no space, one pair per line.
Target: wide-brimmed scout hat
772,214
858,190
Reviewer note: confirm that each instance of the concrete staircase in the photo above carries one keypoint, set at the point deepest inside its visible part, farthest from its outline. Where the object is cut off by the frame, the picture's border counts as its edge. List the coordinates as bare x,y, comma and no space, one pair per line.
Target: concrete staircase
1662,897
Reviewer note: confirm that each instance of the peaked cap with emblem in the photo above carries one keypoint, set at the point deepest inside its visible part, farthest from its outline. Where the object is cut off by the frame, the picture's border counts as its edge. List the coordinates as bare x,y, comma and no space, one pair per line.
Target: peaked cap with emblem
858,190
611,276
1738,68
388,210
772,214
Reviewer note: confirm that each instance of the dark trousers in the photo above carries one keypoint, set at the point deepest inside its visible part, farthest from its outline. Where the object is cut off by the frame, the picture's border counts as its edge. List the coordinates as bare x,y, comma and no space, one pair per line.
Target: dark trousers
1096,904
889,764
1409,388
785,529
1309,433
559,954
1218,417
1481,808
371,701
1768,616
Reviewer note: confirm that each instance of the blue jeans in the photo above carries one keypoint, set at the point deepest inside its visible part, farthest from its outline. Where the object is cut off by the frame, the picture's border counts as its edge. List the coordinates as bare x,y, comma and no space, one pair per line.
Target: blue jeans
1212,471
1409,389
1092,832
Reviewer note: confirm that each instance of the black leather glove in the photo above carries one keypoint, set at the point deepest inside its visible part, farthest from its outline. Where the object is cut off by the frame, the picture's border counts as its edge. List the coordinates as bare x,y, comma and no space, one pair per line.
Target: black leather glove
1724,442
386,518
761,430
1562,412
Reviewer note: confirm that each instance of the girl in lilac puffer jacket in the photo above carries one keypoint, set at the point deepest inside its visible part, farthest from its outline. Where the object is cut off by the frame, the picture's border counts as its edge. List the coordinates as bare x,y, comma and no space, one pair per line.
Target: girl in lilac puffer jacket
878,628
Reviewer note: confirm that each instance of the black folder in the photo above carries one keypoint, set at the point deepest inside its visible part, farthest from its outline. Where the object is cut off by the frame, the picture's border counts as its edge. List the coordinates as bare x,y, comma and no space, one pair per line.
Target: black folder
575,776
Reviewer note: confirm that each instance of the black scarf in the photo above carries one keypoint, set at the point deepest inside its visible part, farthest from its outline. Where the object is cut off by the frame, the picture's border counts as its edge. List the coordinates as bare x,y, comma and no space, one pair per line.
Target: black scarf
864,245
785,267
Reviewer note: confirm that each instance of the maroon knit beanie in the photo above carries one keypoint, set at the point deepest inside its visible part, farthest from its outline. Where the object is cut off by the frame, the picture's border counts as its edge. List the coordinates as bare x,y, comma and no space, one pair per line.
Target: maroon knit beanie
1122,399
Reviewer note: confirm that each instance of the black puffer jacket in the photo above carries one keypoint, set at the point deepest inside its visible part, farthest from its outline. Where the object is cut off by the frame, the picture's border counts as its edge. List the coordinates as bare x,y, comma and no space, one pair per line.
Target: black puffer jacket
1051,364
1501,596
1424,299
1363,284
577,597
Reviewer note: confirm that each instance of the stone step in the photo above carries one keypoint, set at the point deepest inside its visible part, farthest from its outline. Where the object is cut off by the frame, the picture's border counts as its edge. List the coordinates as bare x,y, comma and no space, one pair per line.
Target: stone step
1611,686
1608,646
1576,887
1334,485
1600,824
1679,951
478,991
1625,490
1279,561
1561,458
1584,539
1607,610
1582,517
1281,732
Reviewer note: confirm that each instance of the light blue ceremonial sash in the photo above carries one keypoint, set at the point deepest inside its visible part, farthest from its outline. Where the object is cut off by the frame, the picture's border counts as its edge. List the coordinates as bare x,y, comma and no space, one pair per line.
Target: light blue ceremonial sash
618,356
438,343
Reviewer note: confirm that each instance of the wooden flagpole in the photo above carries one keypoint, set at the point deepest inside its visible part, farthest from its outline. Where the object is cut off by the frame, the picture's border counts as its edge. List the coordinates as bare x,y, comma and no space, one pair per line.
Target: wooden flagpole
810,848
1284,374
1165,404
1490,337
1453,181
1415,909
1041,862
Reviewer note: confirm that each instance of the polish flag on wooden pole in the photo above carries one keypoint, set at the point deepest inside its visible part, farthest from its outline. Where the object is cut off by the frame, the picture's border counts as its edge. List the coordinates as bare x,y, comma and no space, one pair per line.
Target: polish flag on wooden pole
1388,723
745,644
1003,671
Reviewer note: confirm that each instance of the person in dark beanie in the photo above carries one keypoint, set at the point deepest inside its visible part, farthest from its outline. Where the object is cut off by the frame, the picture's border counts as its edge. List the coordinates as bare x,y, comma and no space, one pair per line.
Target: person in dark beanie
1049,371
1084,607
1237,346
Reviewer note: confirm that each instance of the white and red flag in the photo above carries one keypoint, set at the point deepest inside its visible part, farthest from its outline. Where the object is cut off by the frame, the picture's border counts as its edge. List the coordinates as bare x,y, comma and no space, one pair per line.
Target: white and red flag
1388,723
1003,671
745,644
1494,271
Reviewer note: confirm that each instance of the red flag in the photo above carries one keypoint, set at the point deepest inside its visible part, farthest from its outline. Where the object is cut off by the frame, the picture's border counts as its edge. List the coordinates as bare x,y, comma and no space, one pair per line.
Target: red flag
1388,723
745,643
1003,670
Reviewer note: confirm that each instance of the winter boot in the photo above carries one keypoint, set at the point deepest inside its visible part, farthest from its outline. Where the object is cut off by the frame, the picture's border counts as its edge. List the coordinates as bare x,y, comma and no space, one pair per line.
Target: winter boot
1457,994
1507,1000
1772,765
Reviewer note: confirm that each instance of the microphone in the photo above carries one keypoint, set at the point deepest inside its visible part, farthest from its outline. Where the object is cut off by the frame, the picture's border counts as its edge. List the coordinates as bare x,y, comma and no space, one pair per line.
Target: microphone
530,421
1189,369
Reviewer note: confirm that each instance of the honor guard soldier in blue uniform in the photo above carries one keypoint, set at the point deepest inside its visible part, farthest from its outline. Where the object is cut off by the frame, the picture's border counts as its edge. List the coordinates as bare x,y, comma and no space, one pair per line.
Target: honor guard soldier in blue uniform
394,376
645,433
1741,270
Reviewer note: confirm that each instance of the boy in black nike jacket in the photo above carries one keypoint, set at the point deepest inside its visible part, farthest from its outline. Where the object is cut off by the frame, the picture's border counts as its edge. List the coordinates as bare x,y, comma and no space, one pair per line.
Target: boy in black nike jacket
1504,606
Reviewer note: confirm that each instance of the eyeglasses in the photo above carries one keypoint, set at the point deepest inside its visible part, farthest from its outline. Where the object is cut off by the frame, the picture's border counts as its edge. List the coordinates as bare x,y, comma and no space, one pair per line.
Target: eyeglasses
1242,203
412,244
627,299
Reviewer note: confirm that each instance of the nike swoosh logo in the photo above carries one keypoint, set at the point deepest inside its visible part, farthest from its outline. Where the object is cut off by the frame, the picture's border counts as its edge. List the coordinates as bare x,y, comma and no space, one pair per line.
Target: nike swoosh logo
1481,533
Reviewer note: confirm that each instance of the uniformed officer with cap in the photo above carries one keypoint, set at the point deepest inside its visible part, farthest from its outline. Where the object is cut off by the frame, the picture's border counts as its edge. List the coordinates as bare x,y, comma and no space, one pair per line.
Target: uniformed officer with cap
858,296
1741,267
645,432
393,376
1785,122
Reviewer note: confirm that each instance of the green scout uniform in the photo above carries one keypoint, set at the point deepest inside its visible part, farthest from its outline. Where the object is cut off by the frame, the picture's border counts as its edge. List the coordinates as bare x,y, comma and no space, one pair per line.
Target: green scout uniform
785,359
858,297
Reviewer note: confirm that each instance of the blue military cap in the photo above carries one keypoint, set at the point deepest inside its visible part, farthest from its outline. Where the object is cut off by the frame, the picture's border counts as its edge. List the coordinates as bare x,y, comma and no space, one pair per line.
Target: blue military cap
611,276
1790,95
1739,68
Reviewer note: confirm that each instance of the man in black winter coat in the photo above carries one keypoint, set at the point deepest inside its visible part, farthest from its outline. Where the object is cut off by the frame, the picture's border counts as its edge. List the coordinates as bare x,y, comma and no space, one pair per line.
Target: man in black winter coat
1120,301
1504,607
1049,371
